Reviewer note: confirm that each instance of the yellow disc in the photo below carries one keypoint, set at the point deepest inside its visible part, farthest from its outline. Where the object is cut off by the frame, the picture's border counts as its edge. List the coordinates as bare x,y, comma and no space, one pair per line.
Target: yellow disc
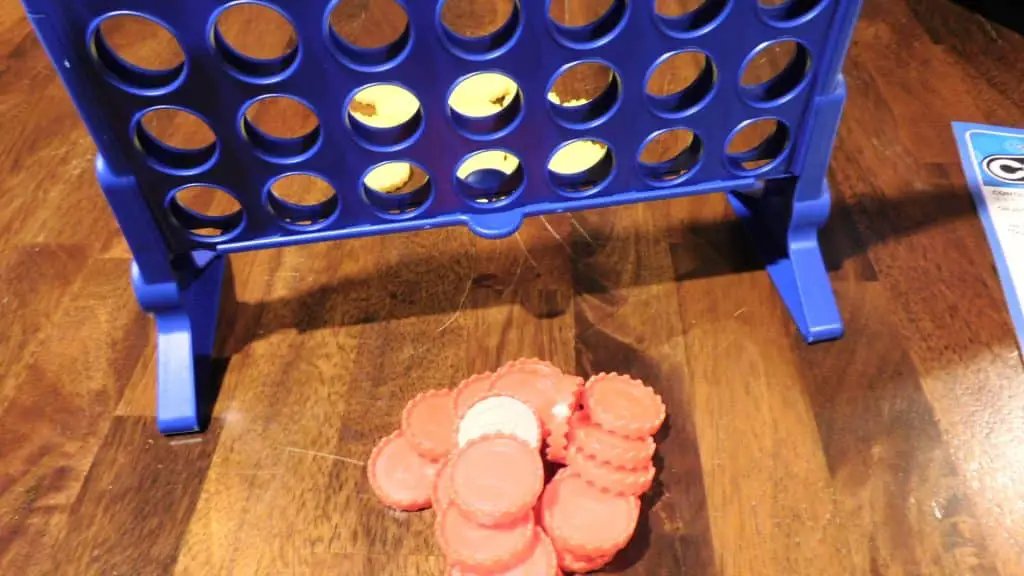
483,94
577,156
389,177
392,105
488,160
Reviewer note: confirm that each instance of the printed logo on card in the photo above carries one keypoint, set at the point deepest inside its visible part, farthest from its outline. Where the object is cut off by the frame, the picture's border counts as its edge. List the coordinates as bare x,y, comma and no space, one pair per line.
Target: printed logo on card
1005,168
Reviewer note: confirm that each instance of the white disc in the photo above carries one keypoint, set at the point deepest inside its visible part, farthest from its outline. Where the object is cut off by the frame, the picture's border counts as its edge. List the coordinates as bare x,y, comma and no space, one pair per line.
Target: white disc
500,415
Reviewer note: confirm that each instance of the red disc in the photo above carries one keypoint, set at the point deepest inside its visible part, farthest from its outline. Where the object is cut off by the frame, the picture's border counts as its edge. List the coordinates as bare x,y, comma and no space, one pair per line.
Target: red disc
584,520
399,476
471,390
534,365
541,561
568,390
496,478
428,421
441,496
623,405
557,444
629,482
581,564
540,384
610,448
467,544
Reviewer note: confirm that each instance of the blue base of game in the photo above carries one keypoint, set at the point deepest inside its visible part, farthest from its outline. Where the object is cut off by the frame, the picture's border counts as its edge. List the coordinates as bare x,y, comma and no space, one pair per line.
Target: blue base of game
186,324
778,189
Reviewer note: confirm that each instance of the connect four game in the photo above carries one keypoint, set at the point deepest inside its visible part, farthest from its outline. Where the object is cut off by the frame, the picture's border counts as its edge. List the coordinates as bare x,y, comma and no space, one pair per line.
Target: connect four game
427,123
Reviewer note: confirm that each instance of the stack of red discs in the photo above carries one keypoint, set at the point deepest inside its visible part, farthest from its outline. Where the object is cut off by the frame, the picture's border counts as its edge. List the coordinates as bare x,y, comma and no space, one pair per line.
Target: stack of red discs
612,437
591,508
486,498
476,455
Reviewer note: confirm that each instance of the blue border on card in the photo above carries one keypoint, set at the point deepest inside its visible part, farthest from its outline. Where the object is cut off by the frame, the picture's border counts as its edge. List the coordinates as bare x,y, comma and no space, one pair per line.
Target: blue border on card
965,134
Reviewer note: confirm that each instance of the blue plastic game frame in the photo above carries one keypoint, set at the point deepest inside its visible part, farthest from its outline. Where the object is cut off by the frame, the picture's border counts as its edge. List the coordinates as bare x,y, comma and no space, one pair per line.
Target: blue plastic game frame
178,275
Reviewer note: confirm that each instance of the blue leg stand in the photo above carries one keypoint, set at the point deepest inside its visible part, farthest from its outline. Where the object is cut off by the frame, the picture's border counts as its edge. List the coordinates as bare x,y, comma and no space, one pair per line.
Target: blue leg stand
792,255
186,325
784,219
182,291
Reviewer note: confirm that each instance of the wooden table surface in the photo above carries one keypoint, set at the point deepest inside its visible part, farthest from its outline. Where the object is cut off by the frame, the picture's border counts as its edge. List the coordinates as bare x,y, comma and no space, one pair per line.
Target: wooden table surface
897,450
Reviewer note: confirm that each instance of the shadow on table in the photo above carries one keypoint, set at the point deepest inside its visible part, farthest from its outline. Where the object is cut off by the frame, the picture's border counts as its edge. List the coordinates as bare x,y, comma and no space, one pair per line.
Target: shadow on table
1003,12
722,247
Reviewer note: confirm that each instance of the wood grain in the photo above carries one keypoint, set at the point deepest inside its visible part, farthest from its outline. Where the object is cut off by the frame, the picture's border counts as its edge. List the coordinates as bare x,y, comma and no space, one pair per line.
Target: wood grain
894,451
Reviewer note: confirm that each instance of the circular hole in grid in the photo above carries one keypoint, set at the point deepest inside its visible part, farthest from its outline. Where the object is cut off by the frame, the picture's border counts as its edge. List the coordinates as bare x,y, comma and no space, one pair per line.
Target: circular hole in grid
476,28
369,33
175,140
485,104
669,156
687,18
255,40
397,188
584,94
775,71
757,146
302,200
281,127
384,116
785,11
585,24
207,213
580,167
138,52
490,177
680,82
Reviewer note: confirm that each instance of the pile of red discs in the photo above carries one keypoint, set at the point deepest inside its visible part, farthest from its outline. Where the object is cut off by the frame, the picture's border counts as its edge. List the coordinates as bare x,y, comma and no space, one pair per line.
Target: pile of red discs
476,455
